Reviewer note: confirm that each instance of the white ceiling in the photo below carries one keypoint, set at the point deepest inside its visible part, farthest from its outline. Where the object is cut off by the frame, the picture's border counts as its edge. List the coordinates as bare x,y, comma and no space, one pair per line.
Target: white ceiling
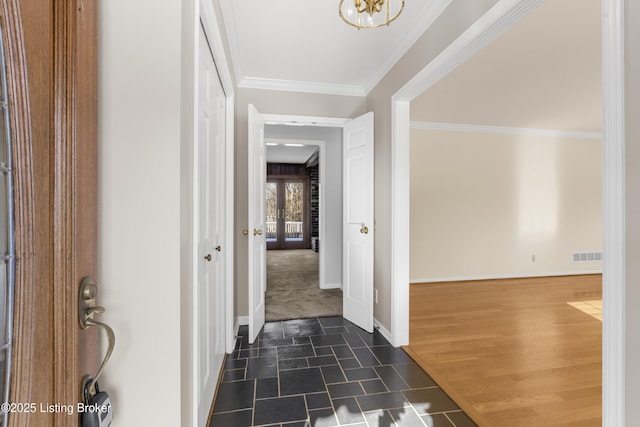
544,72
305,46
283,154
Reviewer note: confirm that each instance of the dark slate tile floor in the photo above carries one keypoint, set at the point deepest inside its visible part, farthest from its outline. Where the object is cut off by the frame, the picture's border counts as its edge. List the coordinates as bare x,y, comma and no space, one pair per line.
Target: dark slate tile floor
325,372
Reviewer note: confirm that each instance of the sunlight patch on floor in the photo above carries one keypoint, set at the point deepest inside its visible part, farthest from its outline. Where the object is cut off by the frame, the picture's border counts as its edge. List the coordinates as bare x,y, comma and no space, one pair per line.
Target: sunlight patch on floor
592,308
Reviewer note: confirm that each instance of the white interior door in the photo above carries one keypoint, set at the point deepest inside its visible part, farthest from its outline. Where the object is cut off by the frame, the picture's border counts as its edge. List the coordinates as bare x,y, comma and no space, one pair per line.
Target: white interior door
209,228
257,218
358,227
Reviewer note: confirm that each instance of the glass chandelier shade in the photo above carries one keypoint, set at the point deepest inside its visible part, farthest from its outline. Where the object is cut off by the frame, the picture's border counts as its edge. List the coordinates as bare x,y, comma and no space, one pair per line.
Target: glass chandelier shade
370,13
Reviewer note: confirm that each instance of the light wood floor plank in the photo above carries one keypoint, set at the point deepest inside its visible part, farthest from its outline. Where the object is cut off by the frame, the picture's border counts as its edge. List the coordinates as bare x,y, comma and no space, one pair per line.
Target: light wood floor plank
514,352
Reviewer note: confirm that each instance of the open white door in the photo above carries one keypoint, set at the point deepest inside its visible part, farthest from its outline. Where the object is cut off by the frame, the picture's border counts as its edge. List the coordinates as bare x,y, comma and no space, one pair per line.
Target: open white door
210,223
257,240
358,227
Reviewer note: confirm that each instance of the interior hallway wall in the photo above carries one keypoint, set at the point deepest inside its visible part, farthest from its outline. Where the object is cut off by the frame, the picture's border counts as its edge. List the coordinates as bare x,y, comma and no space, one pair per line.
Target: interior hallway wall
482,204
146,115
332,225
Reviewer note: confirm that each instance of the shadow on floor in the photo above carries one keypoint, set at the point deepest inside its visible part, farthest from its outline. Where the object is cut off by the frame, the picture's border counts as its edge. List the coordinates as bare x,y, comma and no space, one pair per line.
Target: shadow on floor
323,372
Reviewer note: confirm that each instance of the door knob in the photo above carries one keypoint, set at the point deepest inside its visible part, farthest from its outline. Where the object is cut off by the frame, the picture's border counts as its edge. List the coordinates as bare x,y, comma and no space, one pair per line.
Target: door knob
245,232
208,257
257,232
364,230
218,248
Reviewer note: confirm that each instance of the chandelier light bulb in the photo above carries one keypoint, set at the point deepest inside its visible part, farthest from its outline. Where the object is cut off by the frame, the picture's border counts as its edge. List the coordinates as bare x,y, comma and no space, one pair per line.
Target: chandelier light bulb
370,13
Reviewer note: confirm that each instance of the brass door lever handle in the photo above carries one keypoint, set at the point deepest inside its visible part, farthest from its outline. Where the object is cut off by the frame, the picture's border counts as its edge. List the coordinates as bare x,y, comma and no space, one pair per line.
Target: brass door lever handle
87,308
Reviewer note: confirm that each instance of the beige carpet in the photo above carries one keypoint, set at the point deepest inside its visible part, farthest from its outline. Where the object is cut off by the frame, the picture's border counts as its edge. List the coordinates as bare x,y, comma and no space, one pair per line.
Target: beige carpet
292,287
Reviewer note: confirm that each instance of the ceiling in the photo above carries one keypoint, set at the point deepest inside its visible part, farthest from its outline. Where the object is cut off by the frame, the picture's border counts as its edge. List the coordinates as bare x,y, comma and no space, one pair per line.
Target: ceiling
544,72
282,153
305,46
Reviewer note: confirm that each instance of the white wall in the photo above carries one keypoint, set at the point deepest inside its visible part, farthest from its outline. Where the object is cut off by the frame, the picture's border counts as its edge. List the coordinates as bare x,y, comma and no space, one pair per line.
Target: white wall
141,112
483,203
333,190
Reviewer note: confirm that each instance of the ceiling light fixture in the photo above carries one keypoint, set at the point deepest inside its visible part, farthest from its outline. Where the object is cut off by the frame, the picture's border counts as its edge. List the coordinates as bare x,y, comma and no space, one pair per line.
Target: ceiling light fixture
370,13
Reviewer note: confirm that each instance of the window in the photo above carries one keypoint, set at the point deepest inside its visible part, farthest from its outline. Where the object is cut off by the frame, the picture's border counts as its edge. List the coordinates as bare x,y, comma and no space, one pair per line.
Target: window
7,239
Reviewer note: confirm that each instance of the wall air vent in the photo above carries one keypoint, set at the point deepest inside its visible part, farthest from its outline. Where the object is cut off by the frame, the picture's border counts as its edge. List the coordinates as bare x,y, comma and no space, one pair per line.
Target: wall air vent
587,256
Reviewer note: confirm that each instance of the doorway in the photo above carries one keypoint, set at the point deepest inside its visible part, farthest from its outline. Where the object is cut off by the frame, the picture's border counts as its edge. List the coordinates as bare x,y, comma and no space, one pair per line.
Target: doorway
295,214
288,202
355,213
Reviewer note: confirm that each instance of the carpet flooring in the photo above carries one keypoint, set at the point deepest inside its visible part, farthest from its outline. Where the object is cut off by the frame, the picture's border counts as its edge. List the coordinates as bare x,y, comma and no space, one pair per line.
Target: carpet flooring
292,287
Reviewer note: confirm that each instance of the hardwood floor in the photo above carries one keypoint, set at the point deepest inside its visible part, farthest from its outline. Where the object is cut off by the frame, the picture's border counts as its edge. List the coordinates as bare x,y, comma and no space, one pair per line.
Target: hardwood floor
513,352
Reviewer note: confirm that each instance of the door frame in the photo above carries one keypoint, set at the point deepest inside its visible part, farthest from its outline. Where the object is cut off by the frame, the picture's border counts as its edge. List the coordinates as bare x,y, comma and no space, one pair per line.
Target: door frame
488,27
316,121
205,16
294,120
322,176
209,19
57,247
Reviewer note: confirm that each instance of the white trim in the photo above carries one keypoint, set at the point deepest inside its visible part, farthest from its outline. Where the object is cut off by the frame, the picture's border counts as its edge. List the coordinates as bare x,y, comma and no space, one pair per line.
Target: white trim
212,30
383,331
458,127
292,120
424,21
298,86
503,276
242,321
209,22
228,17
433,10
330,285
400,222
488,27
614,286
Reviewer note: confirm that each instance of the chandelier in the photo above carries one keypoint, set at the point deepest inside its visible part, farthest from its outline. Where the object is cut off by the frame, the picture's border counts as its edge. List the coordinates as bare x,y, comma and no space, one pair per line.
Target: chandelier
370,13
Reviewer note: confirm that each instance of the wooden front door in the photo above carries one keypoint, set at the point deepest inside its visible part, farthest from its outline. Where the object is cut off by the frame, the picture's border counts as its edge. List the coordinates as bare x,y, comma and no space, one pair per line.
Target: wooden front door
51,64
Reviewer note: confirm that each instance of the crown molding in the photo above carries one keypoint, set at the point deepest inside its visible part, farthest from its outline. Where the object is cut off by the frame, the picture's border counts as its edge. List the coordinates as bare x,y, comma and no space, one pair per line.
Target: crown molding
433,10
305,87
457,127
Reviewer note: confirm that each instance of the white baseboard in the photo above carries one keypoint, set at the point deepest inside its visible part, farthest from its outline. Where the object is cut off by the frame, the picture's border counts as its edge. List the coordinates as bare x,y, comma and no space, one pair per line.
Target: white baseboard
383,331
331,286
503,276
241,321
